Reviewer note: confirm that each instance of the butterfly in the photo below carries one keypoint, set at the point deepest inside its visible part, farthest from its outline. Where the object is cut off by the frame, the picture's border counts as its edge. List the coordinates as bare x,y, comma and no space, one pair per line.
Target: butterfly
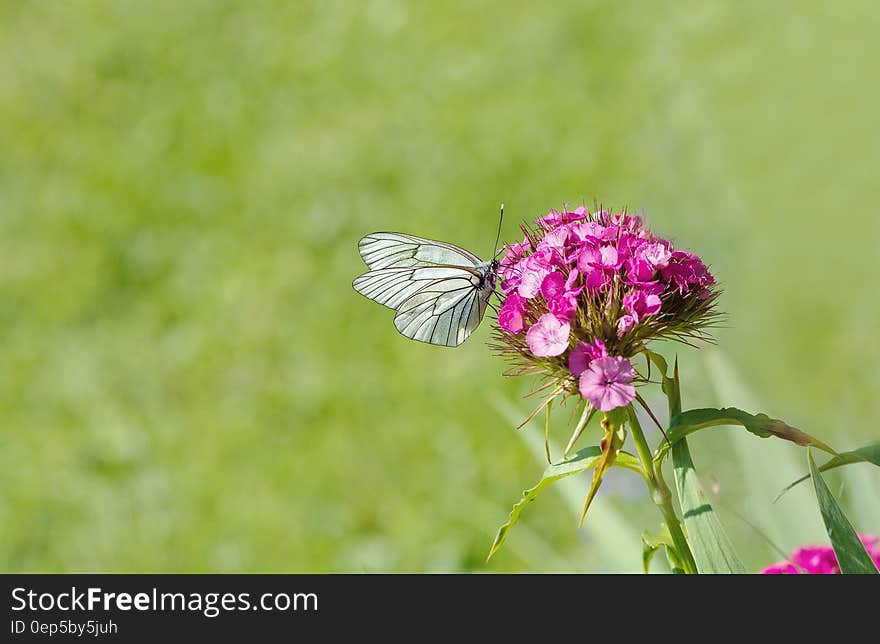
439,291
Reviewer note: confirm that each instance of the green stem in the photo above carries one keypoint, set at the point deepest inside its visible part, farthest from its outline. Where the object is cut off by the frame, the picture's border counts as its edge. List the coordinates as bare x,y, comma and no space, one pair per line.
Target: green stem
661,494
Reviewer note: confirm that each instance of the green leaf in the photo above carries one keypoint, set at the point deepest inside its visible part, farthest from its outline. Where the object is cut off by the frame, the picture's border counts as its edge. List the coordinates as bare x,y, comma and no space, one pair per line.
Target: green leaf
852,557
649,547
867,454
760,425
651,543
583,460
615,436
713,551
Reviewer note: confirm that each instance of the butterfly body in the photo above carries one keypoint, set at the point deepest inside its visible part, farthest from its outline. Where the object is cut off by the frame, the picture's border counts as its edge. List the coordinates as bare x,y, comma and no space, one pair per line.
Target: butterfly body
438,290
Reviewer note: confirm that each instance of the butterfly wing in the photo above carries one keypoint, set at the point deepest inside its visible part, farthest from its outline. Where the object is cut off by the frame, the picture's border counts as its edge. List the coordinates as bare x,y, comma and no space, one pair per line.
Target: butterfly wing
397,250
437,305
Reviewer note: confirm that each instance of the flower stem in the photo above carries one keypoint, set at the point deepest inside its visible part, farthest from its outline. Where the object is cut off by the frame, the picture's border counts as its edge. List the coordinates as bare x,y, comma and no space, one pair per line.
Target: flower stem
661,494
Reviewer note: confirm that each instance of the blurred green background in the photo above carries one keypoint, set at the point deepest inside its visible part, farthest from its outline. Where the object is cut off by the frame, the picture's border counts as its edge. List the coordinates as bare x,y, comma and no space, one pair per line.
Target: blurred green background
189,382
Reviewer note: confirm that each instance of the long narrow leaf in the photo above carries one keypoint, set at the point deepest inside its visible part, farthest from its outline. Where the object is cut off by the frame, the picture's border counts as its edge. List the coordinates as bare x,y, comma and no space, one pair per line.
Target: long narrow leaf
867,454
852,557
612,443
582,461
712,549
761,425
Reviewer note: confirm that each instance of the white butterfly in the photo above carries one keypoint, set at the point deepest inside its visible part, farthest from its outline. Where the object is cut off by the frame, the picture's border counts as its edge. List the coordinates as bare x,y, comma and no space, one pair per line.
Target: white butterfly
440,291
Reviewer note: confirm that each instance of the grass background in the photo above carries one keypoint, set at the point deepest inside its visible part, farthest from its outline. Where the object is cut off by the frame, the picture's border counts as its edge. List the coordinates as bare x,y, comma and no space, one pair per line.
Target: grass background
188,381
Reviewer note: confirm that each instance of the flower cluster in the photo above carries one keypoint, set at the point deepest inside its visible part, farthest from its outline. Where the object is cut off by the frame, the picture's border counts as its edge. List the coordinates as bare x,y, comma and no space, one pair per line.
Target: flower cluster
820,560
583,292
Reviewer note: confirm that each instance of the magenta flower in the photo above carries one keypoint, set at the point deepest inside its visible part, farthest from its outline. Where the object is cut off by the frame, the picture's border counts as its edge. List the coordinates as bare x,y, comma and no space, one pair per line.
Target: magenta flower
553,285
606,383
641,304
624,324
560,294
510,316
533,269
604,258
554,218
819,560
686,270
593,233
583,354
548,336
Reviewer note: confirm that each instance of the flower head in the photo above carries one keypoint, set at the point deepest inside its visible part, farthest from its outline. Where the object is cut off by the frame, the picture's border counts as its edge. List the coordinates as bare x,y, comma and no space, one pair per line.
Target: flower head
584,292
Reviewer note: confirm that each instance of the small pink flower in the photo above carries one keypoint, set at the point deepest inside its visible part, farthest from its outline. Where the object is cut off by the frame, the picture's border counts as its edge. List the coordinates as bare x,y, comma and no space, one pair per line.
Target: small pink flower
583,354
639,270
564,306
553,285
533,269
516,252
555,218
624,324
657,254
555,239
606,383
548,336
632,223
641,304
604,259
819,560
593,233
686,270
510,315
561,298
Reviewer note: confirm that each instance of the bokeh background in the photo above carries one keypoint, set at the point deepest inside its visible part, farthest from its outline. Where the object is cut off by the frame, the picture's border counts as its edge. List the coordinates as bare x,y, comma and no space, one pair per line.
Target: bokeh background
189,383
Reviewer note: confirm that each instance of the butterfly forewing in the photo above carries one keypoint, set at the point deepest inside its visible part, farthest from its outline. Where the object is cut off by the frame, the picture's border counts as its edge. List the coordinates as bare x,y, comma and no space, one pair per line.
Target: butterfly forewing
439,291
391,250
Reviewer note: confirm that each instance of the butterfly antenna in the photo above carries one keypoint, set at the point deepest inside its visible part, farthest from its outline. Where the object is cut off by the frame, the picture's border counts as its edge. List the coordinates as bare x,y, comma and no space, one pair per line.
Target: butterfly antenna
498,236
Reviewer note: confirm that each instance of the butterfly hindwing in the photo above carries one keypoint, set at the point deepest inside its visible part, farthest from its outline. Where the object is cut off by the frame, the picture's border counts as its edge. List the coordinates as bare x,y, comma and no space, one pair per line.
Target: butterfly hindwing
445,313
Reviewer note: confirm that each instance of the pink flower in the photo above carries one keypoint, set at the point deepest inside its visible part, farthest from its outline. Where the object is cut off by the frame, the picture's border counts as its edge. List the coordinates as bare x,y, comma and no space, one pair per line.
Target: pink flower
555,239
632,223
564,307
598,266
639,270
657,253
555,218
583,354
641,304
604,257
624,324
533,269
548,336
593,233
606,383
685,270
819,560
516,252
553,285
510,316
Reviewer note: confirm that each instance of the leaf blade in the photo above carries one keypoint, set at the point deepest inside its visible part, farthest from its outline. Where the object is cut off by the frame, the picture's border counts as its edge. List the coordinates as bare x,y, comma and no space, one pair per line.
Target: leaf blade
851,555
866,454
582,461
761,425
712,549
